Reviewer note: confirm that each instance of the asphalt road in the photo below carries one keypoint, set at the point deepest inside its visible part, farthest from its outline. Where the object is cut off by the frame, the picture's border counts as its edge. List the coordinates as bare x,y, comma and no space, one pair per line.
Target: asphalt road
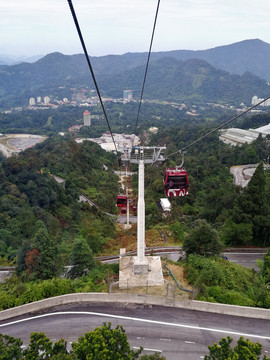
242,258
242,174
245,259
177,334
122,219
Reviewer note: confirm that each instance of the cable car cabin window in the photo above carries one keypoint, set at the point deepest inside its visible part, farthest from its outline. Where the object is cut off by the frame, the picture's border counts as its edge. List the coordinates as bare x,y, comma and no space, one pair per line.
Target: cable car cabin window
122,201
177,182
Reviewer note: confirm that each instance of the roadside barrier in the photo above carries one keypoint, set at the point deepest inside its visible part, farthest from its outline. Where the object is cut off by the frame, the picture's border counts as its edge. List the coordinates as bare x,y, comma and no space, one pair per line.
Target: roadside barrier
44,305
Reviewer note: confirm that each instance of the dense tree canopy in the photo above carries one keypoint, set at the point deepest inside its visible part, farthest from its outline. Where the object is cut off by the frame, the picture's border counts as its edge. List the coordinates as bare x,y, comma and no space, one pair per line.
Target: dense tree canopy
202,240
244,350
38,216
252,208
103,343
81,258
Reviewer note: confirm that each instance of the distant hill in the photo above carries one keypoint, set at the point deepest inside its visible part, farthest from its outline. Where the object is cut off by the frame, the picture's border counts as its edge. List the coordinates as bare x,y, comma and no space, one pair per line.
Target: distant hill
175,75
192,80
248,55
12,60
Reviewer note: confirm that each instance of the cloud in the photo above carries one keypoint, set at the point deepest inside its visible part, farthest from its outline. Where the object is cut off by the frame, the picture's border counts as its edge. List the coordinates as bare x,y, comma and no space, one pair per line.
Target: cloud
124,25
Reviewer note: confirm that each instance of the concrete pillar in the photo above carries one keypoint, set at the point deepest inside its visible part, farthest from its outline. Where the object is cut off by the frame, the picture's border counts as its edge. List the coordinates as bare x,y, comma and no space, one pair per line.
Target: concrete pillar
141,263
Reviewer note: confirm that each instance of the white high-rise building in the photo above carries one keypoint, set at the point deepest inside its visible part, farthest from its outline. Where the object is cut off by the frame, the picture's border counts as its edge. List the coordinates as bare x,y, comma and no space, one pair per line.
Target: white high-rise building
127,95
39,99
255,100
32,101
46,99
86,118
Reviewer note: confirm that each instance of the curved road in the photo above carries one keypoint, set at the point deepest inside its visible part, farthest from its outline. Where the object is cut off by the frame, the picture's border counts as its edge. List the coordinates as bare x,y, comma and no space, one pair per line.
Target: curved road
178,334
241,257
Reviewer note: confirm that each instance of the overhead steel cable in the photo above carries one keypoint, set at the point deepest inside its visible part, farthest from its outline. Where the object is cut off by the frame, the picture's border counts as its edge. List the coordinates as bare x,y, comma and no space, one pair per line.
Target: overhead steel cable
146,67
217,128
90,66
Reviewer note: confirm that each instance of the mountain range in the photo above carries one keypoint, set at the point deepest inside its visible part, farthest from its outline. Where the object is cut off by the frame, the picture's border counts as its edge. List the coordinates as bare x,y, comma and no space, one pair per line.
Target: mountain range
13,60
231,74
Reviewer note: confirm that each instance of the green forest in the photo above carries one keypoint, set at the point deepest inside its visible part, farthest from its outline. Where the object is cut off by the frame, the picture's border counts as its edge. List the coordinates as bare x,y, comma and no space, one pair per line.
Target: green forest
44,227
122,118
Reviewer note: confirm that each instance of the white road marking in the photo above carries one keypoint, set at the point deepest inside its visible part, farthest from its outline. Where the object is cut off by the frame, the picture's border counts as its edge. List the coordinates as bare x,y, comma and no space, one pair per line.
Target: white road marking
189,342
146,349
244,253
165,339
201,328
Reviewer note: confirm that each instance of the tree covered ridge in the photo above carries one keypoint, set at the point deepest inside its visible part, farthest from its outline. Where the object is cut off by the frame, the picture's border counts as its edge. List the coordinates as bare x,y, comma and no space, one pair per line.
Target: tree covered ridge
186,75
34,206
241,216
36,210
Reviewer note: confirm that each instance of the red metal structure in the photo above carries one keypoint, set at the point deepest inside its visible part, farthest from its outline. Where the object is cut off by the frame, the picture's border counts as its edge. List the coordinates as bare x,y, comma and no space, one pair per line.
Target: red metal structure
176,182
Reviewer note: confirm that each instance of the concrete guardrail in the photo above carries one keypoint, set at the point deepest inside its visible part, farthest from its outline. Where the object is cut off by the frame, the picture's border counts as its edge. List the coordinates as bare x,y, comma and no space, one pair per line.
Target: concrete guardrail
78,298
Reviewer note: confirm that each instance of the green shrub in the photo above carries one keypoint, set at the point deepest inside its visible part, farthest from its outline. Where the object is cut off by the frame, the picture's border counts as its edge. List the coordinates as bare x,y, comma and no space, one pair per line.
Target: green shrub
6,300
221,281
14,292
232,297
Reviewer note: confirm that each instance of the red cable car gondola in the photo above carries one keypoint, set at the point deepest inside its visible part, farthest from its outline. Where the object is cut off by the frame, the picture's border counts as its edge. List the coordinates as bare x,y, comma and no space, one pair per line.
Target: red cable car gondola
121,201
176,182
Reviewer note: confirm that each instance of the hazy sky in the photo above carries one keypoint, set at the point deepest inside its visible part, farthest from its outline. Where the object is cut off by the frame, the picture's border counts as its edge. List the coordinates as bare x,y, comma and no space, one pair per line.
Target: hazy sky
32,27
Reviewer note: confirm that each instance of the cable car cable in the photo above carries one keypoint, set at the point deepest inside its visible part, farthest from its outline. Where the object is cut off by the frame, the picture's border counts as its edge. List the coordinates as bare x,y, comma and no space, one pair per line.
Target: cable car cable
90,66
219,127
146,68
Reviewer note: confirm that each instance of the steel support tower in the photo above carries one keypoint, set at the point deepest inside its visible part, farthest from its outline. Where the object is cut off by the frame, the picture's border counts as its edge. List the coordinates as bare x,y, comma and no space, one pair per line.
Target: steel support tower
142,155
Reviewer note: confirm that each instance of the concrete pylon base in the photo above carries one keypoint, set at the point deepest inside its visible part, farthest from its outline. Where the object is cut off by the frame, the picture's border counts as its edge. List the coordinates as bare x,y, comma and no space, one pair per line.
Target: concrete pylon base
132,274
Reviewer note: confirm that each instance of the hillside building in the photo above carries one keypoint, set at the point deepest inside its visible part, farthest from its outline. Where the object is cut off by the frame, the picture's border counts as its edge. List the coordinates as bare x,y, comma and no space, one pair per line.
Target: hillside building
86,118
75,128
46,100
127,95
165,204
234,136
255,100
32,101
121,140
78,97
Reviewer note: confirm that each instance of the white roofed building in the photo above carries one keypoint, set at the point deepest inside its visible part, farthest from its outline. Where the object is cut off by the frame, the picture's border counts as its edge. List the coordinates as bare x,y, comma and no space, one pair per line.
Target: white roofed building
121,141
234,136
